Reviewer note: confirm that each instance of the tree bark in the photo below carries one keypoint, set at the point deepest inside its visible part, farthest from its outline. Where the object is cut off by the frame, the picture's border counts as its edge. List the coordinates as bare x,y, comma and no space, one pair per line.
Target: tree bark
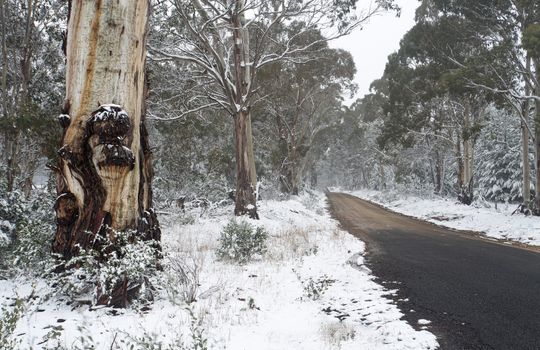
246,201
526,168
4,60
104,184
245,192
537,138
466,159
439,165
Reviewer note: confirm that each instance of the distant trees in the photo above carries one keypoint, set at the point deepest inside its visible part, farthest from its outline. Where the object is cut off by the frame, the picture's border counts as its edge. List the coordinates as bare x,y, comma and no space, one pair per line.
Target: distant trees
31,81
225,45
301,99
462,64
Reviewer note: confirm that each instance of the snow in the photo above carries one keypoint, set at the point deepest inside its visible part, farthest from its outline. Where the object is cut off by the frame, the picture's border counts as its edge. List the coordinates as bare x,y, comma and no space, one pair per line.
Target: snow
493,220
311,290
108,111
6,228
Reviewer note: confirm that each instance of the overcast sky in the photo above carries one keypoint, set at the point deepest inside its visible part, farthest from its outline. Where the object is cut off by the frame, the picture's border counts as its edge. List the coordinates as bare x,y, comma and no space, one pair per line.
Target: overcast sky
371,46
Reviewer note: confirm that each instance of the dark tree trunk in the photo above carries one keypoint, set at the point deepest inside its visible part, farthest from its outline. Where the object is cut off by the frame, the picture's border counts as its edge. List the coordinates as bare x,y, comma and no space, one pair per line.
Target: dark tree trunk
439,165
537,141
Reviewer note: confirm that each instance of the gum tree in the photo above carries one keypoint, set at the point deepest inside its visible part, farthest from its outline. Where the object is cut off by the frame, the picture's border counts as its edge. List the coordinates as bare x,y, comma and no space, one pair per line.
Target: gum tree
225,44
105,171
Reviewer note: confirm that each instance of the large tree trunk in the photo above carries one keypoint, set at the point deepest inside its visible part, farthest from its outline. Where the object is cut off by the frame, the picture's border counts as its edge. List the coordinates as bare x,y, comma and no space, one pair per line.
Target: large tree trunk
4,60
526,189
246,180
104,184
537,138
245,192
526,165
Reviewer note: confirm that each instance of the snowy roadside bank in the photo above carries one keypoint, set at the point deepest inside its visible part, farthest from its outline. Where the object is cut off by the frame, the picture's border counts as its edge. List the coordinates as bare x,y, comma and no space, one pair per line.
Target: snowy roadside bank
496,222
310,290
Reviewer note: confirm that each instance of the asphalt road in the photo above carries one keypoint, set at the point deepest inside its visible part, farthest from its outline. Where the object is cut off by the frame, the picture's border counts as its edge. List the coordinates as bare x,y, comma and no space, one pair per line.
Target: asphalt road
479,294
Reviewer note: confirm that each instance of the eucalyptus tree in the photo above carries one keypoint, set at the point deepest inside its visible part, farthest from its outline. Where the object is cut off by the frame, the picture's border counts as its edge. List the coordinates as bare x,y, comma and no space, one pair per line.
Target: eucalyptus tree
507,72
531,42
430,86
105,169
230,42
311,102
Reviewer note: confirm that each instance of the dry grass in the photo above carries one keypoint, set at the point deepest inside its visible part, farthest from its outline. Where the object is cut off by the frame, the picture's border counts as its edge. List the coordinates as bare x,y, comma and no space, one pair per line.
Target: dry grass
335,333
291,243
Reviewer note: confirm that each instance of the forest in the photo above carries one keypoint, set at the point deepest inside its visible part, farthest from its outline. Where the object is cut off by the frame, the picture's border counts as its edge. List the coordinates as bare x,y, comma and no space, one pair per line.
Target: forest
125,126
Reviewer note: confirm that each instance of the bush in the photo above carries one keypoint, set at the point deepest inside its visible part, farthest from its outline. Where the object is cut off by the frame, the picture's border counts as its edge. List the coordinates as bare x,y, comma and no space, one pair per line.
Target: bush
8,323
26,230
101,271
314,289
240,241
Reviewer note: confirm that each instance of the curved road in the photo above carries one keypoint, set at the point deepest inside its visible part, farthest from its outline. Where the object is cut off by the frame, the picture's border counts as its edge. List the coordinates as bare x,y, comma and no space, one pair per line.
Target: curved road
479,294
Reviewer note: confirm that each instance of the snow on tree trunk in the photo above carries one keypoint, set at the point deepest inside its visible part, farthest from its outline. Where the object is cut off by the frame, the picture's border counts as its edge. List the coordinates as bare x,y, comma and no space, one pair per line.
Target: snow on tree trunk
526,167
105,176
537,138
246,201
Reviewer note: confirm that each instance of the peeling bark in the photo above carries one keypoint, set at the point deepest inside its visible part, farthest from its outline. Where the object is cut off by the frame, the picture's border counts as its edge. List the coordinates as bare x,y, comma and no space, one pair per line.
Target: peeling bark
526,189
105,159
245,192
537,137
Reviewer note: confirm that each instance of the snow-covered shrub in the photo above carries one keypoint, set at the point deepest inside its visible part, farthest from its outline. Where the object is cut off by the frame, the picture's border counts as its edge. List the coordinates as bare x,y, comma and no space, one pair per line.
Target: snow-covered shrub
315,288
240,241
499,172
125,259
8,322
152,341
148,341
12,211
26,230
6,229
197,330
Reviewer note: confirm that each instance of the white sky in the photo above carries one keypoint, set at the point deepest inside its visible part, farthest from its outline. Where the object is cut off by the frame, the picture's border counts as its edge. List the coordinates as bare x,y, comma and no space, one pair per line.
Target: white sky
371,45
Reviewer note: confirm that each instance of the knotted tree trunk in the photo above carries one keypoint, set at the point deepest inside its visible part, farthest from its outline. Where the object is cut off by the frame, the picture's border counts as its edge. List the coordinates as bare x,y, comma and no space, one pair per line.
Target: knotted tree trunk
105,170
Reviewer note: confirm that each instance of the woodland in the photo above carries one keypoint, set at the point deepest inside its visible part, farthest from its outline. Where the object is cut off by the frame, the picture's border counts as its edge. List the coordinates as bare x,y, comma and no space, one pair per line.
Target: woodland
114,114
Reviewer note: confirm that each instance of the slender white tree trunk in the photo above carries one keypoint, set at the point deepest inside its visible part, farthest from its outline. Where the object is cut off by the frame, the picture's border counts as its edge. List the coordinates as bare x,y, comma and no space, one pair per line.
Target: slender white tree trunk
246,180
537,137
526,168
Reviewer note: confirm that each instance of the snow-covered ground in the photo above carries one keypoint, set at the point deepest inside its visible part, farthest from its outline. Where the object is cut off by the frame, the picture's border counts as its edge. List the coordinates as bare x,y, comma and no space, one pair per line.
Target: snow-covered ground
311,290
495,221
